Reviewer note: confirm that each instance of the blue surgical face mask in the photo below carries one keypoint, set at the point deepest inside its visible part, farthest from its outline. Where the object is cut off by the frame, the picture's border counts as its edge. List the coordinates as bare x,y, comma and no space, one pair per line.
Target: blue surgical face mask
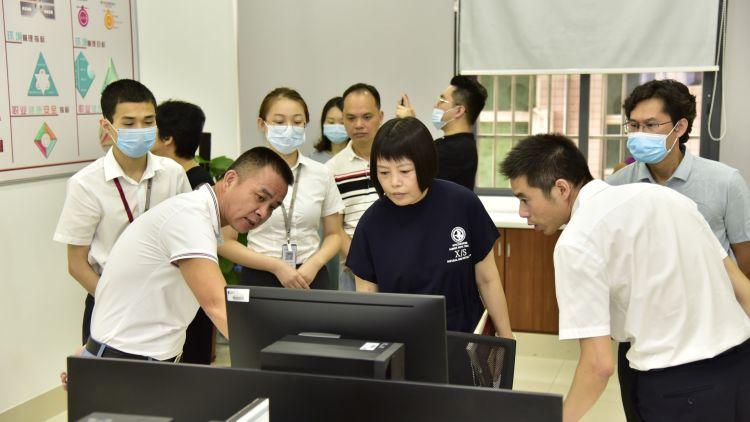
285,138
649,148
437,118
336,133
136,143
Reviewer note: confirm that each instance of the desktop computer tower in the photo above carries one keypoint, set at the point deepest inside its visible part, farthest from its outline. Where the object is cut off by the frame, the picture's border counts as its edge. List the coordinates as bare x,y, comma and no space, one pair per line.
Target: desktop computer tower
335,356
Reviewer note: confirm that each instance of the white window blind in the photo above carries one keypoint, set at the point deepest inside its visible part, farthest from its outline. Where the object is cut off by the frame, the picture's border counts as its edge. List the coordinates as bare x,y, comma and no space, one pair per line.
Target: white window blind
499,37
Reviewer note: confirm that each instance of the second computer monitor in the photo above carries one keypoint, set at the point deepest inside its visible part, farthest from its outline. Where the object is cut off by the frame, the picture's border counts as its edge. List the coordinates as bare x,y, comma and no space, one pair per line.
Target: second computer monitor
259,316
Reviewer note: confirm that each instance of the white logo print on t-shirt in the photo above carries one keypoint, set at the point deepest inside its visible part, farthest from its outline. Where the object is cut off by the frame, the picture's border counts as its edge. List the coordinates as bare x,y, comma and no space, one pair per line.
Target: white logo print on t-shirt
459,248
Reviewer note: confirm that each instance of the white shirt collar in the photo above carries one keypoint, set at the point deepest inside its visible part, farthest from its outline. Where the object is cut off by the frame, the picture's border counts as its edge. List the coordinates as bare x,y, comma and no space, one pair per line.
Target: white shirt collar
213,209
112,169
301,159
589,190
352,155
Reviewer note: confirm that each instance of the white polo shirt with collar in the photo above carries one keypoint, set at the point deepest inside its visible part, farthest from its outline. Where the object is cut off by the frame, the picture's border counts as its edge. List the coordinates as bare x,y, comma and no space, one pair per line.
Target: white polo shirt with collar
639,263
317,197
94,214
143,305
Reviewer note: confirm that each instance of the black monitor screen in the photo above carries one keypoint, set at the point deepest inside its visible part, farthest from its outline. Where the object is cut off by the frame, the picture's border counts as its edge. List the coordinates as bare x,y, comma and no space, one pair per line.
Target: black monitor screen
259,316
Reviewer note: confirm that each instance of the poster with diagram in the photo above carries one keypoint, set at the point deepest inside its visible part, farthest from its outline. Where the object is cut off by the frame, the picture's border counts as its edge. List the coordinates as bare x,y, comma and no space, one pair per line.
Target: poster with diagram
56,58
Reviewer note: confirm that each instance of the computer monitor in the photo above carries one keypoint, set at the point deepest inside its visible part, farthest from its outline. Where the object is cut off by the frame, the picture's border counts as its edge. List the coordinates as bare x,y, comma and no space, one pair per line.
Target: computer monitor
259,316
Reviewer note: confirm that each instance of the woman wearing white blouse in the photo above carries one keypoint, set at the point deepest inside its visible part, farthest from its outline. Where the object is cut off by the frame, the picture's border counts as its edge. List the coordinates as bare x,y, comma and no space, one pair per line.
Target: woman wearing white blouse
286,251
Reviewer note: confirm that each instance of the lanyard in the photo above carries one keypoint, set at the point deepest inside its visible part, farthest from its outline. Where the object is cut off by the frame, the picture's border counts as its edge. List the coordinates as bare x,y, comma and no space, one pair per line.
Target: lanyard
288,217
125,201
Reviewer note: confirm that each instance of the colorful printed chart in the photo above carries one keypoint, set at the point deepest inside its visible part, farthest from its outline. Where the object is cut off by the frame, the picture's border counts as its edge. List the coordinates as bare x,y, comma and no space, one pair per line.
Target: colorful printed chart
56,58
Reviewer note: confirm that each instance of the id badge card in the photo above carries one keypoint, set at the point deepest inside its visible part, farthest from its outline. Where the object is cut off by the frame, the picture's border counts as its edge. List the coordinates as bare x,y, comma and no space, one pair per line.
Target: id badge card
289,254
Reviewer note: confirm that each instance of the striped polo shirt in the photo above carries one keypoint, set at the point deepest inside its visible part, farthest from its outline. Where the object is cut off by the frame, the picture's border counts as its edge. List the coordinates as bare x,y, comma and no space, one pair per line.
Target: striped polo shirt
352,175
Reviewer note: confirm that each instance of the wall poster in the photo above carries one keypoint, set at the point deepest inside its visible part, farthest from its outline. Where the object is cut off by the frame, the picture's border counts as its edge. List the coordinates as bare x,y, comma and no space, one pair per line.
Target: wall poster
56,58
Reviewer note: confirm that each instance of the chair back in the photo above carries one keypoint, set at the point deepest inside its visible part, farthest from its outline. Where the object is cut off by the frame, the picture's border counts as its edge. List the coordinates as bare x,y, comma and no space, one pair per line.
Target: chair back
481,361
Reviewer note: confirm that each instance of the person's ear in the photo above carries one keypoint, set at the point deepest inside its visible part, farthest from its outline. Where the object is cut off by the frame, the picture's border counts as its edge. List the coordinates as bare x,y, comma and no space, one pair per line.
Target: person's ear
230,178
564,188
261,124
460,112
681,127
105,124
107,130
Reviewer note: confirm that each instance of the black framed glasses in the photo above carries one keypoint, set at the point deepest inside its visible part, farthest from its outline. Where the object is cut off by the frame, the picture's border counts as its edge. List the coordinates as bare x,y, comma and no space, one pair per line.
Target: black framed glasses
651,127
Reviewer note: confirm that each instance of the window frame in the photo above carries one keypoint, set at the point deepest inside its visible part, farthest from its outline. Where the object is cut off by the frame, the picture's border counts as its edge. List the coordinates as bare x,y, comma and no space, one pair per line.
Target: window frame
708,148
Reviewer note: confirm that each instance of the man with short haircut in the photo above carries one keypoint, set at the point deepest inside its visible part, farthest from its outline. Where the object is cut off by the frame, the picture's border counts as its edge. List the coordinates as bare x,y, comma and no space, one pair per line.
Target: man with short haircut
455,113
180,126
108,194
638,263
351,166
660,116
164,266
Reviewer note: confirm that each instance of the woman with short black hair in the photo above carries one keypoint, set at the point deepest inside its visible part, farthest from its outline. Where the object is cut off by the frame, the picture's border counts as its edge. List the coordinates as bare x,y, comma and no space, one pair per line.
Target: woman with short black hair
426,235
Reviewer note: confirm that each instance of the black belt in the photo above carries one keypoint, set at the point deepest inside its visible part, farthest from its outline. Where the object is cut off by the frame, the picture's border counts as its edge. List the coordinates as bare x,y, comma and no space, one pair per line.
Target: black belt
93,347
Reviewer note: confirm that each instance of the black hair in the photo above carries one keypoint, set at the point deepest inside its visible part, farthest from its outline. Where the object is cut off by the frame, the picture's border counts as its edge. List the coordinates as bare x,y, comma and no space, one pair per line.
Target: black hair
256,158
124,91
545,158
679,103
183,122
470,94
408,138
277,94
362,87
324,144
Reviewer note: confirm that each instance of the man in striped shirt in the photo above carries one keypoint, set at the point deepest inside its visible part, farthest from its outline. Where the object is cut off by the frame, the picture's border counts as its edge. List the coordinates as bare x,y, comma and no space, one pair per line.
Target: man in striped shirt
351,166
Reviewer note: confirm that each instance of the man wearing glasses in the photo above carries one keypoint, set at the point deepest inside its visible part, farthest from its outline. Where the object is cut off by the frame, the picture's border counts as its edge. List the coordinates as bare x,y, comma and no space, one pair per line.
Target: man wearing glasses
660,116
455,112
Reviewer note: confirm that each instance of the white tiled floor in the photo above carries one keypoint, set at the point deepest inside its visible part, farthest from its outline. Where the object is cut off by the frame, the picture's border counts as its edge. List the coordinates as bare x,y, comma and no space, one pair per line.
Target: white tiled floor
547,374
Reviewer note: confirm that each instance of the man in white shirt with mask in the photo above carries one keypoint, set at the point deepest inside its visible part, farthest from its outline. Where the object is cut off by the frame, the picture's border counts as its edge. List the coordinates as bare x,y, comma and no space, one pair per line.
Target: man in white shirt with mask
108,194
638,263
660,116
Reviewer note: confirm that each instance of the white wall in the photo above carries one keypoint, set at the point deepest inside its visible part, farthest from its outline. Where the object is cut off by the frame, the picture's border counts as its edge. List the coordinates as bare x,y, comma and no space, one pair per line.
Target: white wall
185,52
735,148
188,51
40,307
322,47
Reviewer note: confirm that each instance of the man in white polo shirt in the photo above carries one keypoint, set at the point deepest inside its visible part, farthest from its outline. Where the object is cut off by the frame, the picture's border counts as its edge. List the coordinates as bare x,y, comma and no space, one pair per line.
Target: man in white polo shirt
108,194
638,263
164,266
351,166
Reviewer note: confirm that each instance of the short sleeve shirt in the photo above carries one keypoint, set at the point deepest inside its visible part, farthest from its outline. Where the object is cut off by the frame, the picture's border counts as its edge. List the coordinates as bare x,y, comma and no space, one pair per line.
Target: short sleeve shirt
720,191
352,175
639,263
457,159
317,197
143,305
430,247
93,213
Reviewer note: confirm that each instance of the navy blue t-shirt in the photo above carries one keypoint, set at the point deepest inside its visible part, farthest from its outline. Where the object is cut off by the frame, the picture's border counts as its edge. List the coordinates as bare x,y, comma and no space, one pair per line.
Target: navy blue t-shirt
429,247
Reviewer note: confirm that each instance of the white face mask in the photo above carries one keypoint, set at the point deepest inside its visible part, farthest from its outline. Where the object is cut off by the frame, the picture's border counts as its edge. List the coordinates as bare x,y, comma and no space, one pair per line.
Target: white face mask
285,138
